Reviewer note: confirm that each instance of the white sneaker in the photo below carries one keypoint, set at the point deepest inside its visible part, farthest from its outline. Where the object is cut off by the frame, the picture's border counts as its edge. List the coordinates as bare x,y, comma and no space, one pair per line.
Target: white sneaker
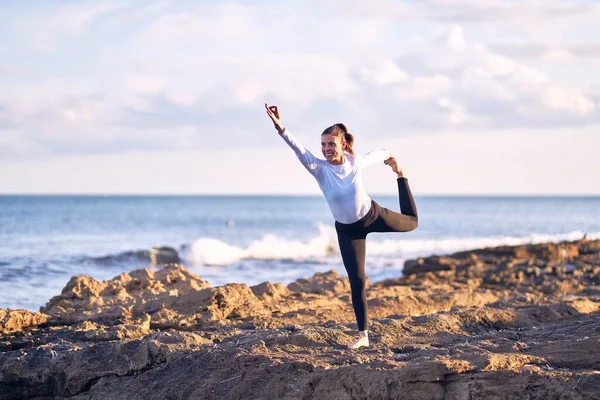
362,341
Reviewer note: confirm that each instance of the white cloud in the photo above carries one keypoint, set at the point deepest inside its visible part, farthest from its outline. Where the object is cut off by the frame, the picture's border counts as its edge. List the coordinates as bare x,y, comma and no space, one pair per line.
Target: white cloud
423,87
482,75
229,46
494,64
44,28
550,52
144,85
210,67
385,72
457,112
161,76
455,39
568,99
477,82
557,55
525,75
462,11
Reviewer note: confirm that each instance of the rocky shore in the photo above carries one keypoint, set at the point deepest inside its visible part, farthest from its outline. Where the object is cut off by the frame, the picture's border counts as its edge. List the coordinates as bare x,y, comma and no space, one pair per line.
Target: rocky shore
517,322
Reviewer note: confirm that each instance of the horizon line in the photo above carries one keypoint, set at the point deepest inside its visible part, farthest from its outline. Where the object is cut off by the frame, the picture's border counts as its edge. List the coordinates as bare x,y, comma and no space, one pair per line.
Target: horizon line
296,194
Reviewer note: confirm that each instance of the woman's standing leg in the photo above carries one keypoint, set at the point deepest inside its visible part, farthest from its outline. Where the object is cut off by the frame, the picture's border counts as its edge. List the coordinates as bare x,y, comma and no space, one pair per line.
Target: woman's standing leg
353,250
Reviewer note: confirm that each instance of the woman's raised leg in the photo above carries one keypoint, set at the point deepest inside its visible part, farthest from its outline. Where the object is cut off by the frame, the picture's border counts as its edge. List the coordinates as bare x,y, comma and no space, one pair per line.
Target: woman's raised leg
404,221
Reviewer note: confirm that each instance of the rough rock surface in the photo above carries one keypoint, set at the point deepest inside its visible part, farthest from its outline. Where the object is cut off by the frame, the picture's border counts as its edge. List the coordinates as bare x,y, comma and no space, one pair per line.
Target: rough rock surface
17,320
137,292
498,323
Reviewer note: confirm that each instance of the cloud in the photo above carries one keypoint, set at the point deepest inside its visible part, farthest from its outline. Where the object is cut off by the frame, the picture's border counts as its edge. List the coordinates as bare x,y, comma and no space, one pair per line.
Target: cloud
385,72
568,99
44,28
463,11
481,75
197,77
547,52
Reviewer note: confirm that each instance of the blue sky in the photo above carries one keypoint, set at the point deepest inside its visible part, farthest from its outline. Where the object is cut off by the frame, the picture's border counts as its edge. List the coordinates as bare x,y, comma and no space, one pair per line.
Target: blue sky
495,97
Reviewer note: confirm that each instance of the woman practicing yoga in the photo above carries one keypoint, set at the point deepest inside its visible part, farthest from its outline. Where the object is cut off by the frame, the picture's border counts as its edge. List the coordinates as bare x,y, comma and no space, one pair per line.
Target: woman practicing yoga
355,213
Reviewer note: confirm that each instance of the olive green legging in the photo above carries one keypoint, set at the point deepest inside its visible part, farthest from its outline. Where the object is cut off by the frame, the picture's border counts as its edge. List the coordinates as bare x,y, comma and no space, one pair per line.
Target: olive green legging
352,240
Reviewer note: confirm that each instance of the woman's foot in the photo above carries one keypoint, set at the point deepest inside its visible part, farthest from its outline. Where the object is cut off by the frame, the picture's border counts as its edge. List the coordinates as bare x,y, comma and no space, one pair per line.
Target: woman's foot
393,163
362,341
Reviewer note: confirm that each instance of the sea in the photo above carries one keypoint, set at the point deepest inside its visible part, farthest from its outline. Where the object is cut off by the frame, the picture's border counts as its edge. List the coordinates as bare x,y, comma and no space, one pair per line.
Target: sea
45,240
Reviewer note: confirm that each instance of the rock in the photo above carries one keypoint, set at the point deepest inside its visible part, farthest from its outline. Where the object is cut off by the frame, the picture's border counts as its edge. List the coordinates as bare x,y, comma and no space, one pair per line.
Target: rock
486,324
17,320
164,255
270,290
434,263
127,295
329,282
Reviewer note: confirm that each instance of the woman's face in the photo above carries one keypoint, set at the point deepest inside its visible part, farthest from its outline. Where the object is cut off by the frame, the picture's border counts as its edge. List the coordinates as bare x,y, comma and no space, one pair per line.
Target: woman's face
333,148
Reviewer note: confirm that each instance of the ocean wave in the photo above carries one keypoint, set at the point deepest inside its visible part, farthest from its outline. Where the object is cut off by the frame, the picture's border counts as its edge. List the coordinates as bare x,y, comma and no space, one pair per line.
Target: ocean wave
126,256
155,256
320,249
450,245
211,251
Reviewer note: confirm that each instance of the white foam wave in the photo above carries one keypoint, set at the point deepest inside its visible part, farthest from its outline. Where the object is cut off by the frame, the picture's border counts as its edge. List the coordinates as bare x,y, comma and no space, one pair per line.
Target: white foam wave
214,252
447,245
211,251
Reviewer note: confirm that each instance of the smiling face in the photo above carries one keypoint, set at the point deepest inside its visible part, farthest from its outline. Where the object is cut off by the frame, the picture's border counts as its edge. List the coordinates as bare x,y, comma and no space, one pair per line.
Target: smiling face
332,147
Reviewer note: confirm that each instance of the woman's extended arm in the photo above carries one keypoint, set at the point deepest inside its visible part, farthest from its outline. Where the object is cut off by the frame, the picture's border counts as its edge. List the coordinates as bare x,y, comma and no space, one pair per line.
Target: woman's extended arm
310,162
374,157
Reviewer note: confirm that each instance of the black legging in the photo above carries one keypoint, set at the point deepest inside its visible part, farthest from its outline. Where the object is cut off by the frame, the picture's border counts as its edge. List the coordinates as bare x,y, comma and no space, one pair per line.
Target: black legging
351,238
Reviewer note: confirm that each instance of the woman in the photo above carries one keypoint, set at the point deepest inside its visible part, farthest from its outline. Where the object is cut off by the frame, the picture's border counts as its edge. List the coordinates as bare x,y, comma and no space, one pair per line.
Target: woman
356,214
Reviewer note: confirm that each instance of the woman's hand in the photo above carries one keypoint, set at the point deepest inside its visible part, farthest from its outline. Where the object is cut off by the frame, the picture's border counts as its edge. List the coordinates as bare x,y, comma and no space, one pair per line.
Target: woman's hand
273,113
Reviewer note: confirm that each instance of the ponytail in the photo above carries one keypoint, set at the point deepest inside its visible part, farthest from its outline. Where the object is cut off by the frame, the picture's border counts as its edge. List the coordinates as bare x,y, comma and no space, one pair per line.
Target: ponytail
349,142
340,129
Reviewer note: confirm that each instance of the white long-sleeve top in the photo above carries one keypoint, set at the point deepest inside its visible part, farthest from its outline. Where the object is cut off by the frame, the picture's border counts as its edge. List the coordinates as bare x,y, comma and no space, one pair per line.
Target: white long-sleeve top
341,184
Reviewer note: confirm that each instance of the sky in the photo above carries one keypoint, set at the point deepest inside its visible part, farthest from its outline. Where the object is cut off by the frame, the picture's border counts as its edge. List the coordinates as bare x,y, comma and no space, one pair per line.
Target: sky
499,97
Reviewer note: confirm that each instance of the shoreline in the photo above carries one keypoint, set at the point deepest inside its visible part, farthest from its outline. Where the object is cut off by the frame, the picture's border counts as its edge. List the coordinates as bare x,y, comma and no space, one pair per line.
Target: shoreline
492,323
155,257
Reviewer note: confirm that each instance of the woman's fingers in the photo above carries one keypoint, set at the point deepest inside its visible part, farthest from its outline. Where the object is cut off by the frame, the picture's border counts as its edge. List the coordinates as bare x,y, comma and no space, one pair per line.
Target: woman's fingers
269,111
270,114
272,111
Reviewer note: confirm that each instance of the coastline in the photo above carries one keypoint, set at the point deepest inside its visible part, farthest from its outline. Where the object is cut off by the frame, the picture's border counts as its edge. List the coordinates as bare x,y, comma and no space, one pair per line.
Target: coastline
495,323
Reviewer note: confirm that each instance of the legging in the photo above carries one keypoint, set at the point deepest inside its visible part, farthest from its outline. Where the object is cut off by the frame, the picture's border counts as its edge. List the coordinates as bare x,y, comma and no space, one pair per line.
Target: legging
352,240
